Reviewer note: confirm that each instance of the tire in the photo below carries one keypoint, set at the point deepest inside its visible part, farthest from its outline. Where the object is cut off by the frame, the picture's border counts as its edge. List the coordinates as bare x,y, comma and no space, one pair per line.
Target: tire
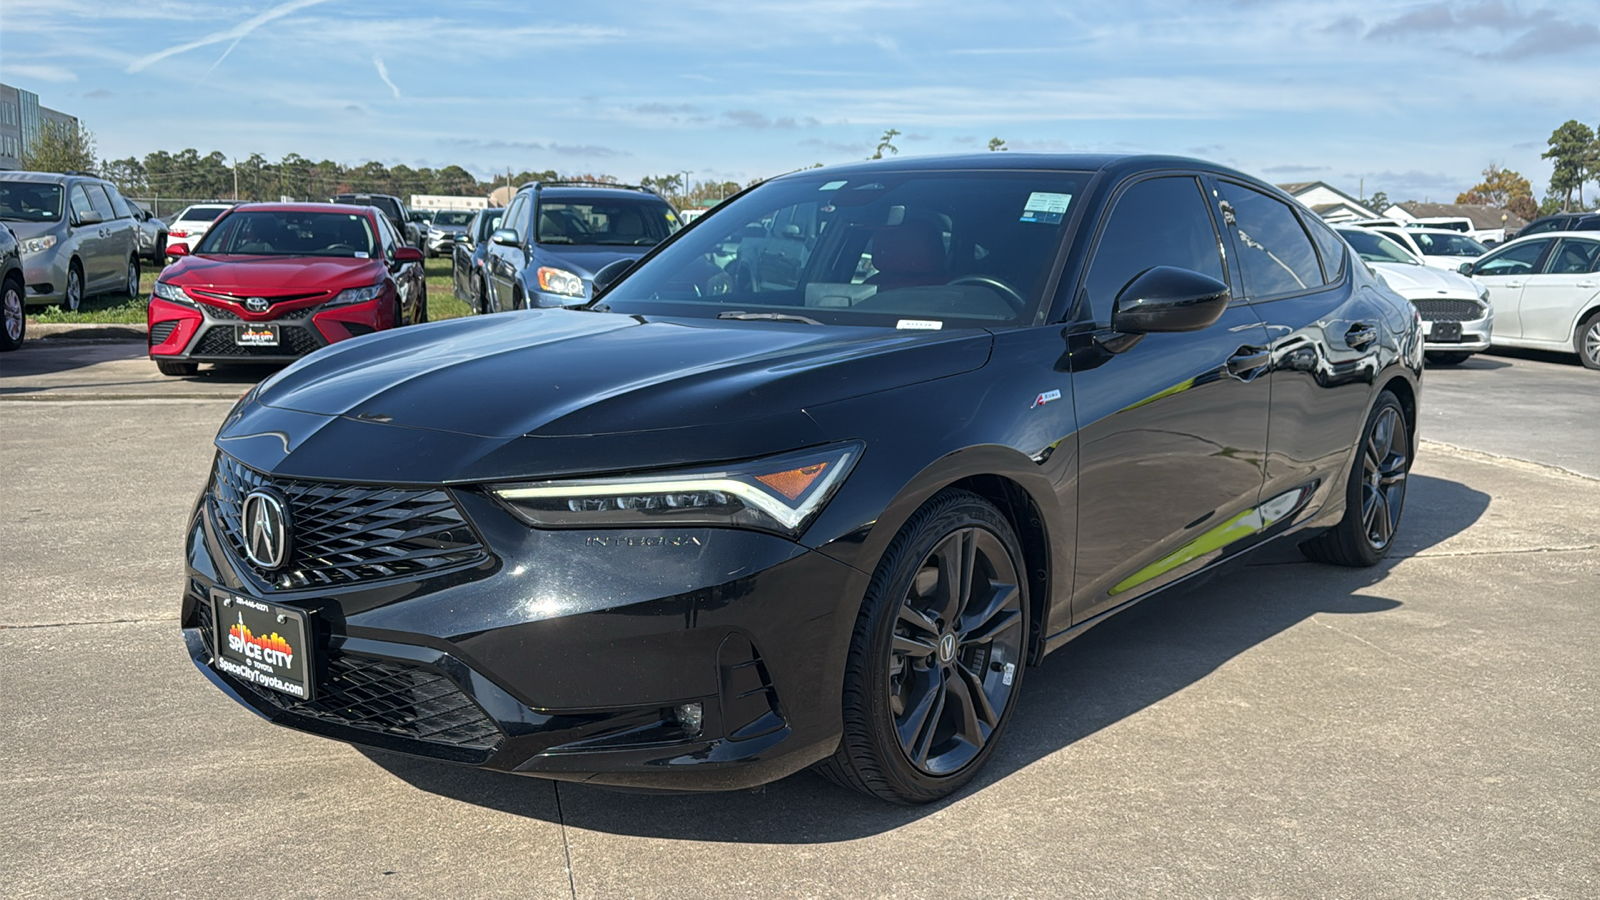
932,677
480,295
73,298
420,316
1586,341
13,315
1448,358
132,284
1375,495
177,369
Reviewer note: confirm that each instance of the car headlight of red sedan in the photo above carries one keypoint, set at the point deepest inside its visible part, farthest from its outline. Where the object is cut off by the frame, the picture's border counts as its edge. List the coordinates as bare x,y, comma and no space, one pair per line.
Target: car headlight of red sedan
357,295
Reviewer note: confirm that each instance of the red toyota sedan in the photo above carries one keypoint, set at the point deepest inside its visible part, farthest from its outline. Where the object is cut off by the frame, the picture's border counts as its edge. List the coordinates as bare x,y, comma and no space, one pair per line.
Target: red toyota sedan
271,282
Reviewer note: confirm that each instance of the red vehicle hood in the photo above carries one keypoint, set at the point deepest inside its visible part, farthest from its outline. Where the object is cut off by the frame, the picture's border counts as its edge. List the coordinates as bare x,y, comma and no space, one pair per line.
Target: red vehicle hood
268,276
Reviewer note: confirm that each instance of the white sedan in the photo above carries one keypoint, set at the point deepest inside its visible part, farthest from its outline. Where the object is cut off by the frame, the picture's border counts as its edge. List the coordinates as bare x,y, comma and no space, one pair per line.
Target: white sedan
1455,311
1546,291
1437,247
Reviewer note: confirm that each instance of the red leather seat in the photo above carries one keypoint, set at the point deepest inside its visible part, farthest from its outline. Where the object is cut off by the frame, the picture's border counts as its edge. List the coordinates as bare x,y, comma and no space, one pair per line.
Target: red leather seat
908,255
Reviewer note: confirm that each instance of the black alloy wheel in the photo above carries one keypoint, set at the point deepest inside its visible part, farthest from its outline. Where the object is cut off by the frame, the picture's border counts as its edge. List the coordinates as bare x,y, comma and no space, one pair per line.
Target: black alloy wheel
13,317
1376,492
74,295
937,657
1587,342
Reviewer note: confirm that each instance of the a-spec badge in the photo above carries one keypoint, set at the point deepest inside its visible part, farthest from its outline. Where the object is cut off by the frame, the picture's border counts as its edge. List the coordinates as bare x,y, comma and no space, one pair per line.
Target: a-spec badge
1045,397
257,304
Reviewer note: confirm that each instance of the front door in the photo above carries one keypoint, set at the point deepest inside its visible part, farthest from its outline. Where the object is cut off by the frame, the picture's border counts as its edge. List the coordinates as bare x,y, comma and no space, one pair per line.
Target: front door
1506,273
1171,438
1568,285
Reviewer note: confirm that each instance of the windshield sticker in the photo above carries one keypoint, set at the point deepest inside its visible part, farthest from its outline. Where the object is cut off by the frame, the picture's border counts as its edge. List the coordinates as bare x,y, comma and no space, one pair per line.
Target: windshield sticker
360,255
833,186
1045,208
919,325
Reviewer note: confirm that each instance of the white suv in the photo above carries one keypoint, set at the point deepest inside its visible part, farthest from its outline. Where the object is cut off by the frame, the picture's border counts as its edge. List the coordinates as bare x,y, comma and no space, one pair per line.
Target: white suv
189,226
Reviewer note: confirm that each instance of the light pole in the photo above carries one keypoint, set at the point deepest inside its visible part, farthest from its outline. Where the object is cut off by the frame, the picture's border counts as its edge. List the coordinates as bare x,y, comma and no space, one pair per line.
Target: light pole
686,187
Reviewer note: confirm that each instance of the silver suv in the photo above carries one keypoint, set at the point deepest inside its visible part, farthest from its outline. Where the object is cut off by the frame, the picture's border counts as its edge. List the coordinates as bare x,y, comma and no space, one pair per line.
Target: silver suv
78,236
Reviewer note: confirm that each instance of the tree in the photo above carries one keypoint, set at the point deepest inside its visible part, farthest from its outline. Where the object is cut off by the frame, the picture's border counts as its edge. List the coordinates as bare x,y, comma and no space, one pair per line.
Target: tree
1378,202
996,144
1503,189
1572,152
60,147
886,144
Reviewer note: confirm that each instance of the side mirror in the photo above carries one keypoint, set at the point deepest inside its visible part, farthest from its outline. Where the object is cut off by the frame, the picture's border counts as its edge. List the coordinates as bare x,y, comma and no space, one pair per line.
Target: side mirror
87,218
407,255
176,250
610,274
1465,268
1166,298
506,237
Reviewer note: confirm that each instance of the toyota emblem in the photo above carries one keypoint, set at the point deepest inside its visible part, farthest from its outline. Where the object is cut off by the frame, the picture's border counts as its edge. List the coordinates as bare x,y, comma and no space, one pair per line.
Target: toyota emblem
257,304
266,529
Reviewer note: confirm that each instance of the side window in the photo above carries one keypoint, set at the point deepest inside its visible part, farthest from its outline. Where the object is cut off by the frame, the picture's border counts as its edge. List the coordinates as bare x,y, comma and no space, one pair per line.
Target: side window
388,236
509,219
1330,246
1516,260
117,203
1158,222
101,203
1274,251
80,202
1574,258
522,221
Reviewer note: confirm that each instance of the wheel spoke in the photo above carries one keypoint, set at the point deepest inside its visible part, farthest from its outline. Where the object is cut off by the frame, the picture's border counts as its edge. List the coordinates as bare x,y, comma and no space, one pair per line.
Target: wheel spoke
997,616
980,698
971,728
922,722
1379,530
956,557
914,618
912,647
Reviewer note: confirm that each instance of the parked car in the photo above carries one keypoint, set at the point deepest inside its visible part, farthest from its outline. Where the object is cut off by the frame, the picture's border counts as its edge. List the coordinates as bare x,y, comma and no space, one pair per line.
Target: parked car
152,235
1455,310
420,219
1570,221
1486,236
272,282
1547,290
445,228
555,236
191,224
13,311
718,535
397,213
77,235
1436,247
466,260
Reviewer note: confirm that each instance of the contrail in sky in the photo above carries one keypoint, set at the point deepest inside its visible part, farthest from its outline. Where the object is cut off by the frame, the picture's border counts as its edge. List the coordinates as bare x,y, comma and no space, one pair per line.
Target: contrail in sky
383,72
234,34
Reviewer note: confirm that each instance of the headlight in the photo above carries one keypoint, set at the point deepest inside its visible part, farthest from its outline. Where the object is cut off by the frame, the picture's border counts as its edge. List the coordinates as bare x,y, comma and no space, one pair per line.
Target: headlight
1483,291
780,494
357,295
37,245
560,281
173,293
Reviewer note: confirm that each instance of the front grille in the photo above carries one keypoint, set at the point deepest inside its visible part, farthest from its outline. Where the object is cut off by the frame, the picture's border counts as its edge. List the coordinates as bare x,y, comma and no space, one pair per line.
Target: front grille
293,340
224,313
1448,310
240,298
160,331
349,533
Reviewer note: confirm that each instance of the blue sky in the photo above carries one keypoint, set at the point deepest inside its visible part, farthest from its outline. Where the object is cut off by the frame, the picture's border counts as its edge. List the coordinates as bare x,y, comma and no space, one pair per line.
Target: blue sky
1412,98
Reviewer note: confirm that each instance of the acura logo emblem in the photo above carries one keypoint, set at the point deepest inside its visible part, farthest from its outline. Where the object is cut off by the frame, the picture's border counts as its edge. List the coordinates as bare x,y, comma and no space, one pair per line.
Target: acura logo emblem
266,529
257,304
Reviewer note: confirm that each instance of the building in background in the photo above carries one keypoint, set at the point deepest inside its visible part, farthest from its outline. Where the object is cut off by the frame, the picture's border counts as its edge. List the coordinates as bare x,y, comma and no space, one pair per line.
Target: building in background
440,201
1328,201
21,120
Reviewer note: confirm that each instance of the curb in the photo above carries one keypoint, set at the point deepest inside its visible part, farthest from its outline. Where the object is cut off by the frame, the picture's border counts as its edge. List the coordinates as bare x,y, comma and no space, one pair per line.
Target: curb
96,331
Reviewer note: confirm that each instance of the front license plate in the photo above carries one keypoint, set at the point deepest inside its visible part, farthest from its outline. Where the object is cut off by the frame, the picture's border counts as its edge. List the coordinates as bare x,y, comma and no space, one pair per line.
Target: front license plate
255,335
262,643
1445,332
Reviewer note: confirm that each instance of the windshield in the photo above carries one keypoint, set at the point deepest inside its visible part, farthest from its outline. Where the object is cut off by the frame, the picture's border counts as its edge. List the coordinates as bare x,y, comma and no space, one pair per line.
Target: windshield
1377,248
1448,245
201,214
452,218
622,223
912,250
30,201
279,233
1447,226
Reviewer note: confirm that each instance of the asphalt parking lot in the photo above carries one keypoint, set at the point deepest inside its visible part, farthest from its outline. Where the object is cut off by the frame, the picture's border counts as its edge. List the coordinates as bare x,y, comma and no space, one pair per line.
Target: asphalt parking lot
1427,728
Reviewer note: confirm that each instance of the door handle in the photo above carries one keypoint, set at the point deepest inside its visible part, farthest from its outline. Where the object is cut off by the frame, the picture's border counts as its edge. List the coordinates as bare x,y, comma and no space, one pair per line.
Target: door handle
1511,284
1248,360
1361,334
1588,284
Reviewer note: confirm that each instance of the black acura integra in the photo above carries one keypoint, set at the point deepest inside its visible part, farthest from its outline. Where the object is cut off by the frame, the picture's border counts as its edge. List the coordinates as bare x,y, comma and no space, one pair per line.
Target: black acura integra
714,529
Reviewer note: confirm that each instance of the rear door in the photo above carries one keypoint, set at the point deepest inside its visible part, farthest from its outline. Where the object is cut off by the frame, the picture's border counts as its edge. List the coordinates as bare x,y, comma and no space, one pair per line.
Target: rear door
1173,429
96,252
1568,284
505,262
1506,272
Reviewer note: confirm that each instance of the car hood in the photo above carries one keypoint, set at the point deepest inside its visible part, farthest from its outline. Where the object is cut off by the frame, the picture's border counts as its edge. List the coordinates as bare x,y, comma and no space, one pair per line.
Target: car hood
1425,281
25,230
270,275
585,260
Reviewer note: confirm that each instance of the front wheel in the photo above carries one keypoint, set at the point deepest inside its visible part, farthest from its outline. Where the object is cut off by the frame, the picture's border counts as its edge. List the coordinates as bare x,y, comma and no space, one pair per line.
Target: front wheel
937,655
177,369
13,316
1448,358
74,295
1587,342
1375,494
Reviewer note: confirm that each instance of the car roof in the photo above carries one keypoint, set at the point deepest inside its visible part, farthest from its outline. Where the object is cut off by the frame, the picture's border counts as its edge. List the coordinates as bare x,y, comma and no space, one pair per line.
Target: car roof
46,177
304,207
1438,231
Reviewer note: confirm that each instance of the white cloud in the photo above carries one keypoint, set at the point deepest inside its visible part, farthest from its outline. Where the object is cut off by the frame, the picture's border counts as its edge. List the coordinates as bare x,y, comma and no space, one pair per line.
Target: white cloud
234,34
57,74
383,72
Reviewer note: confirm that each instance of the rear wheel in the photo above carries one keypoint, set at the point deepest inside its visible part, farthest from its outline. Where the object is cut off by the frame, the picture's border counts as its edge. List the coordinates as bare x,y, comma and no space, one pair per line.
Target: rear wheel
74,296
132,281
177,369
1450,358
480,294
1375,494
13,317
936,658
420,314
1587,342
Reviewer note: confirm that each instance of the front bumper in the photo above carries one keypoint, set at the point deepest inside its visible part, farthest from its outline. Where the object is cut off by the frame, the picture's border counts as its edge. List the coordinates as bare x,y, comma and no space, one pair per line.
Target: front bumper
441,243
46,276
567,654
1442,317
206,333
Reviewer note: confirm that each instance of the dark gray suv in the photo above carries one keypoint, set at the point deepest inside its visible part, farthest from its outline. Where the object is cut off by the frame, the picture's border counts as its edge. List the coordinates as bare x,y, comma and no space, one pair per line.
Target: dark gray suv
78,236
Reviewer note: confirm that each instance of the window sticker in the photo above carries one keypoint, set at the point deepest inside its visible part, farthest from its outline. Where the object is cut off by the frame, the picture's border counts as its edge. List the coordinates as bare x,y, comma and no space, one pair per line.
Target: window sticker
1046,208
833,186
360,255
919,325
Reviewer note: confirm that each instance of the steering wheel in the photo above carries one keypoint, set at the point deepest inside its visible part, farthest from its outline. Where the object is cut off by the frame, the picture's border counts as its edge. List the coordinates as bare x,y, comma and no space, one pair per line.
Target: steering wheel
1006,291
